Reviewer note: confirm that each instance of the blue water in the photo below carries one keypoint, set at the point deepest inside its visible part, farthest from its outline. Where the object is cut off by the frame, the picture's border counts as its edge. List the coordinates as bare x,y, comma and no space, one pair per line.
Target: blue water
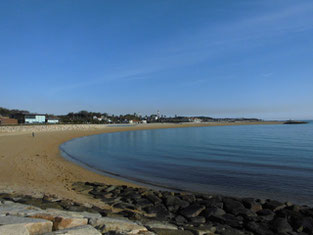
262,161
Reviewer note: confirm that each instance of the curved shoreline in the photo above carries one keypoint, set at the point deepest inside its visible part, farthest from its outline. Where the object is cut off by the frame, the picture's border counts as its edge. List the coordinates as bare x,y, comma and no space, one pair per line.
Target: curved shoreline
34,166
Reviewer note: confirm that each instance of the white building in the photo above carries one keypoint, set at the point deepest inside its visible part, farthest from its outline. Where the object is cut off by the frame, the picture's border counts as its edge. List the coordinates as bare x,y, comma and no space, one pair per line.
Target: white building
52,120
34,118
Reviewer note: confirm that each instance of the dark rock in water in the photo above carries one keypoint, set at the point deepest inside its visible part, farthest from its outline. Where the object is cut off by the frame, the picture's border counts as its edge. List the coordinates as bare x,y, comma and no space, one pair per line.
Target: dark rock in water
232,206
274,205
192,211
213,211
281,225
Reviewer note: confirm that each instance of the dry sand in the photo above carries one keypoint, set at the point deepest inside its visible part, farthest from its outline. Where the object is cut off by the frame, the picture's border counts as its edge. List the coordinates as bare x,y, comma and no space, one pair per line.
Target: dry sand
34,166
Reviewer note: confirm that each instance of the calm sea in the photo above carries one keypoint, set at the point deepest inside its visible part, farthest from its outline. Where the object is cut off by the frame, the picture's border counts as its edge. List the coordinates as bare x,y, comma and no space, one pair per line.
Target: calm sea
262,161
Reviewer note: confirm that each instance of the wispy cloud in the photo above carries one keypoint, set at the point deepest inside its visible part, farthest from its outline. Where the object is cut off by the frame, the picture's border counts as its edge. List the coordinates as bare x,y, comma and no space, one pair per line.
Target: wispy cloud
206,43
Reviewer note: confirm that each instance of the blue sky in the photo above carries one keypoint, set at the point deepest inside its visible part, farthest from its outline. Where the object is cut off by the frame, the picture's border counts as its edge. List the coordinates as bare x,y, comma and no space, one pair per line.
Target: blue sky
218,58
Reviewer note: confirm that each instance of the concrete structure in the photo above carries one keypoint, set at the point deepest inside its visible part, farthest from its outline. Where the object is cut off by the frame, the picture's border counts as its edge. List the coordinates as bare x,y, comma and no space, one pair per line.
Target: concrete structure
34,118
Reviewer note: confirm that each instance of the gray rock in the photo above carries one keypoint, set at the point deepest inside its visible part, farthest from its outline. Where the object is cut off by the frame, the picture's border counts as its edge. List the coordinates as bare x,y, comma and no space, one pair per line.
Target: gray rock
227,230
232,206
159,211
203,230
213,211
34,226
180,220
260,229
17,209
192,211
213,202
251,204
281,225
188,197
266,214
153,198
14,229
110,189
119,225
73,214
274,205
198,220
142,203
303,224
157,224
176,202
80,230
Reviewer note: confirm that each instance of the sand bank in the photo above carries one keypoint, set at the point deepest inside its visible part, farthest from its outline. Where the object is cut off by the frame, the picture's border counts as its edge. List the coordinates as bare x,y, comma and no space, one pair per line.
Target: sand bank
34,165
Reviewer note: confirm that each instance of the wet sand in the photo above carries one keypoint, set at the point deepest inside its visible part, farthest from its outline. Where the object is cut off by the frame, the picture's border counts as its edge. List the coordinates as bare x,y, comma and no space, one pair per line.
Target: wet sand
33,165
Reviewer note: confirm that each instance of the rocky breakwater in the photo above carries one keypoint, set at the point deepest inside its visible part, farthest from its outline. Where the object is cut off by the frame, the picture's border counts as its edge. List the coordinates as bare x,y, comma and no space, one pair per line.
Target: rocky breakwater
146,211
27,219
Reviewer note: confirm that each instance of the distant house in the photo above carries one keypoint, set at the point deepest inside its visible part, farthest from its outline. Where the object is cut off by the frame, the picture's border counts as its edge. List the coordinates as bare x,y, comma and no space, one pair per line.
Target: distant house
52,120
196,120
8,121
133,121
34,118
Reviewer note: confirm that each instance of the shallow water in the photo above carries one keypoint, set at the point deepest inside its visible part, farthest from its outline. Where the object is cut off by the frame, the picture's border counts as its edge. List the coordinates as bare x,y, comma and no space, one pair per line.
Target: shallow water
262,161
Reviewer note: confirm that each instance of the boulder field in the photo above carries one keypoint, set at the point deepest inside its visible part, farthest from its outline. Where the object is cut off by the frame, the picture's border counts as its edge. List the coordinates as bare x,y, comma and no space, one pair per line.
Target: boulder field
147,211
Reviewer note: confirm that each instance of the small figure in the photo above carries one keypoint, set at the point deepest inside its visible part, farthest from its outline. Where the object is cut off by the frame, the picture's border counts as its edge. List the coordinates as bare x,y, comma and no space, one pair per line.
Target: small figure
33,134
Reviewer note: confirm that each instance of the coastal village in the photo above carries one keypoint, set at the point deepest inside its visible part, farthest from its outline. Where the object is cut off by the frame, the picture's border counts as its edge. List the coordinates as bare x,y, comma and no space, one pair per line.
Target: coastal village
19,117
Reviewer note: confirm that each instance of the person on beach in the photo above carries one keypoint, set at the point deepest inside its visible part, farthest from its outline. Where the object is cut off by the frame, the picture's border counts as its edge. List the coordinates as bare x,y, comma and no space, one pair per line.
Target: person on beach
33,134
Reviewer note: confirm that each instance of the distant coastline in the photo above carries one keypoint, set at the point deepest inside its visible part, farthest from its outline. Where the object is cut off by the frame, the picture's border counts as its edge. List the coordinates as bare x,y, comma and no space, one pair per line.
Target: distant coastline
290,122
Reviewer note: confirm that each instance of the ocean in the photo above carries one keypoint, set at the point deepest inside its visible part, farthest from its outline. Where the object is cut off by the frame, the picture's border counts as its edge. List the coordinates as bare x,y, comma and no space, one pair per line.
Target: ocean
261,161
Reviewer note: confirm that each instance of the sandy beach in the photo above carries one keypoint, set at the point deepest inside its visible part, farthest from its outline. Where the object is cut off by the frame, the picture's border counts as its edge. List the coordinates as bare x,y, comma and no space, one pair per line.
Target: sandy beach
33,165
